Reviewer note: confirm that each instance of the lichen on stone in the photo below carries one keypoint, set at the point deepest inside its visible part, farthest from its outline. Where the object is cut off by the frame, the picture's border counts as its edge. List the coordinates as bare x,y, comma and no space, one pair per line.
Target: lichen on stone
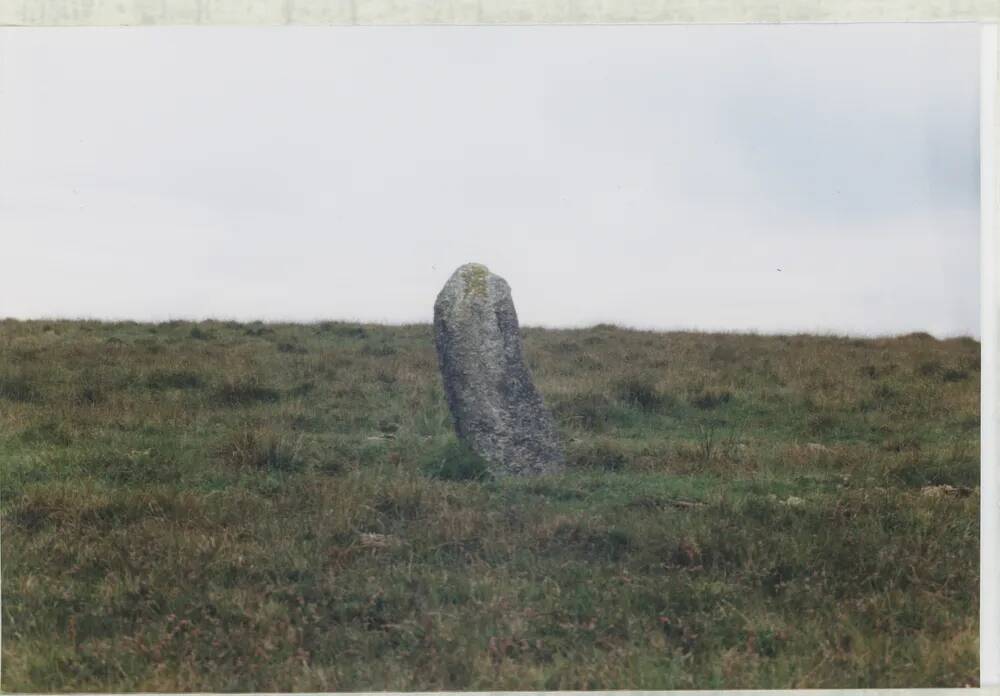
475,276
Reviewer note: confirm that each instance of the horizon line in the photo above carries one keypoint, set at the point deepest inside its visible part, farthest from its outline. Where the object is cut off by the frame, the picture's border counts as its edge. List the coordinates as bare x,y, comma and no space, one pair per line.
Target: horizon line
818,332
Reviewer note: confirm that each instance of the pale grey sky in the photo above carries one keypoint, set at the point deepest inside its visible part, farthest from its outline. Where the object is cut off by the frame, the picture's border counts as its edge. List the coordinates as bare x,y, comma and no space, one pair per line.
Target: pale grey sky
655,177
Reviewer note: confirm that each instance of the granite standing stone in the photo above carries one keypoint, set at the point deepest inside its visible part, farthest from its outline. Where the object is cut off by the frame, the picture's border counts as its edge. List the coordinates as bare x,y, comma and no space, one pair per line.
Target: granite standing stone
497,410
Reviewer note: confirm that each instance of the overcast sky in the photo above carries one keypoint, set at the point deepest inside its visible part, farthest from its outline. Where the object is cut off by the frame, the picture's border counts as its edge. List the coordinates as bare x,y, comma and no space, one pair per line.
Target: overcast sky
791,178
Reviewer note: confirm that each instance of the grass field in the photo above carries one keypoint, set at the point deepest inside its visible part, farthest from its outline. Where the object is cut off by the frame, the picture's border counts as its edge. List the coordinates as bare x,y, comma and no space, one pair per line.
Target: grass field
222,506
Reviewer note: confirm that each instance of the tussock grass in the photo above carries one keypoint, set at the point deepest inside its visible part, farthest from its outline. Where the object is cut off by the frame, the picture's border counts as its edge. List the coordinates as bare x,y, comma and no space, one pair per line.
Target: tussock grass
269,507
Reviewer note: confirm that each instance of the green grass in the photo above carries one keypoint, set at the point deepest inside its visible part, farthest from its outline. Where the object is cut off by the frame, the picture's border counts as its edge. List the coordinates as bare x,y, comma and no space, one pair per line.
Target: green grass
272,507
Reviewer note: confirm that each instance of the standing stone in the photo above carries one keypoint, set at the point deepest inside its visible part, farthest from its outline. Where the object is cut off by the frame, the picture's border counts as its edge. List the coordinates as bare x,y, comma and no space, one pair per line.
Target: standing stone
495,406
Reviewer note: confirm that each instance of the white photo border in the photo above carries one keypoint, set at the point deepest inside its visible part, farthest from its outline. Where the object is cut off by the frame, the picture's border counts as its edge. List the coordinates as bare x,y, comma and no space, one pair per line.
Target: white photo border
35,13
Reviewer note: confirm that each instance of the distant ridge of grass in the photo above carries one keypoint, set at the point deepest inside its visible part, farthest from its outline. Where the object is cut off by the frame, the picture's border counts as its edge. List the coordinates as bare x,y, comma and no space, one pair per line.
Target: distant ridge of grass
224,506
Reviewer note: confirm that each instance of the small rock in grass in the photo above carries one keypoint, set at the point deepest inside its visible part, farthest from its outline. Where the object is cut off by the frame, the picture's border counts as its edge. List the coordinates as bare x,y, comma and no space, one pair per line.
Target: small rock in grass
944,489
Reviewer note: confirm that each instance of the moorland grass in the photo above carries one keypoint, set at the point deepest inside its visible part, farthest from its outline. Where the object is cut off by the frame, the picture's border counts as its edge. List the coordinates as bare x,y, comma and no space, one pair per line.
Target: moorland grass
270,507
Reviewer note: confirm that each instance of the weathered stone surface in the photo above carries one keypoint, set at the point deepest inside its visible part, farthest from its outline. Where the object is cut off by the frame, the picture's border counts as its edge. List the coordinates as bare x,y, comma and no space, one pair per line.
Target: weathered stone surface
497,410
